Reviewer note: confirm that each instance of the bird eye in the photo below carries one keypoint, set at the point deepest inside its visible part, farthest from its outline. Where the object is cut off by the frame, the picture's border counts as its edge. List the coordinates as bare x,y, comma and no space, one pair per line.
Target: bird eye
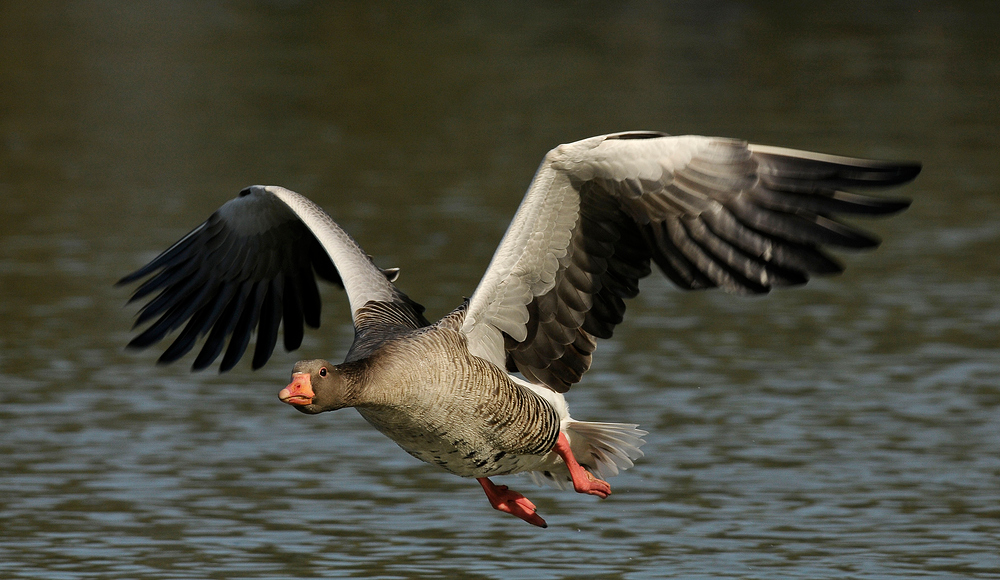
322,371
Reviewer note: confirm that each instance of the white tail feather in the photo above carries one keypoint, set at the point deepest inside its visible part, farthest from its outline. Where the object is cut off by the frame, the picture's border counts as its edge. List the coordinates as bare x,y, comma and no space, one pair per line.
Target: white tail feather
603,448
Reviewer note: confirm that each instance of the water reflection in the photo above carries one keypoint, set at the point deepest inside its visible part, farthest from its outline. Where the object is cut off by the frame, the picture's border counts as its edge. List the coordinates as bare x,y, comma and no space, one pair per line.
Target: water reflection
848,429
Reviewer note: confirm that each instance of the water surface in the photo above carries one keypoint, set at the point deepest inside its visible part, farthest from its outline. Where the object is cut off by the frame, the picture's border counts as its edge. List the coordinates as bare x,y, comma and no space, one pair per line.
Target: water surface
848,429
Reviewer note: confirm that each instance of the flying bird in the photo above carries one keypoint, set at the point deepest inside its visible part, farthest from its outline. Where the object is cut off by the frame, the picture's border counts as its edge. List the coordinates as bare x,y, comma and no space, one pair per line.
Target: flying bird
480,392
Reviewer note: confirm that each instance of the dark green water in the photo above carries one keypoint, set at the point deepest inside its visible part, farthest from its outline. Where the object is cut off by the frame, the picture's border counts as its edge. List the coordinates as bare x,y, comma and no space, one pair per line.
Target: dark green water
849,429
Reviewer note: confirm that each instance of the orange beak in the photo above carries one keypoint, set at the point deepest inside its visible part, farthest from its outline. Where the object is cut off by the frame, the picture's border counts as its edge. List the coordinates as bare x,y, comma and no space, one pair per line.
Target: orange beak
298,392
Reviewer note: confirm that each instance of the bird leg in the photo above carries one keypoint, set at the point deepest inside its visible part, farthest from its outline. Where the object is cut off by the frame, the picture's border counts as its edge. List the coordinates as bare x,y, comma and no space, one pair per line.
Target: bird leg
506,500
583,480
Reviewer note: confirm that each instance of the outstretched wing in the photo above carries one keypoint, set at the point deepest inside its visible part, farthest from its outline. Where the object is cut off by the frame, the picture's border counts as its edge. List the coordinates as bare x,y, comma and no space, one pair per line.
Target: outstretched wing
250,266
710,212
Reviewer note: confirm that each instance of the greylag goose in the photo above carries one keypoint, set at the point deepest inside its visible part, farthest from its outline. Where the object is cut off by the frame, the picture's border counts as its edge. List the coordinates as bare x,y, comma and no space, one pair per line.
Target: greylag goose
480,393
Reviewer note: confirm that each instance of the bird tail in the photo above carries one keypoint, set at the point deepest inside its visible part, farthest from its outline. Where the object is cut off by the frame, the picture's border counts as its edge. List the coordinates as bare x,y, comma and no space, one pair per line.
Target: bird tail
603,448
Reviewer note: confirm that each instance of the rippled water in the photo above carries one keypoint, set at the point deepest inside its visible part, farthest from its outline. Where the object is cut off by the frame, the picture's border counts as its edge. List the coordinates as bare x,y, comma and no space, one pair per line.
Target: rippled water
849,429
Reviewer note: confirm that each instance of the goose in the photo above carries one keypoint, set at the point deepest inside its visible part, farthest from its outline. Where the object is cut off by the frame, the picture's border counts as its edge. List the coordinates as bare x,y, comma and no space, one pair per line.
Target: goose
481,392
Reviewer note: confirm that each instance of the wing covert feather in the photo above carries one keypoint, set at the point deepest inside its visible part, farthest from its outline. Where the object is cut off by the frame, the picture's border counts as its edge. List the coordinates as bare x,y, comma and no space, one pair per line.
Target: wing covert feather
709,212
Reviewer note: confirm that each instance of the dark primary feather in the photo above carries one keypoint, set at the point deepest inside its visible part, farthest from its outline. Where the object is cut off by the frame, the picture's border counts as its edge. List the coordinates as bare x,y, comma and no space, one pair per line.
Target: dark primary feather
235,276
738,217
228,284
220,281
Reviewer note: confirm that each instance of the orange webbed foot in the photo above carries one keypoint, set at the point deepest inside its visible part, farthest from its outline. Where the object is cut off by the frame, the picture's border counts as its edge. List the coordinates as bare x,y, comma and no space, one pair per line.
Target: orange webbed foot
583,480
509,501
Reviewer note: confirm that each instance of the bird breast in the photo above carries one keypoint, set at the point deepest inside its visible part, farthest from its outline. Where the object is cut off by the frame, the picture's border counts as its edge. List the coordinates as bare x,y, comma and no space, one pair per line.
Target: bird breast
455,410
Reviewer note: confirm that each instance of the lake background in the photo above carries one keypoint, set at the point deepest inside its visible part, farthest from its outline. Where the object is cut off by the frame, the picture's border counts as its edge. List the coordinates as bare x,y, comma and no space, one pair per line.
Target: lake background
847,429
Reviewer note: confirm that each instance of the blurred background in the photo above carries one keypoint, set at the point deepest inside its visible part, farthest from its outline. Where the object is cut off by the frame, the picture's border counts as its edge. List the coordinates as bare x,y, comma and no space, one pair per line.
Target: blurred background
847,429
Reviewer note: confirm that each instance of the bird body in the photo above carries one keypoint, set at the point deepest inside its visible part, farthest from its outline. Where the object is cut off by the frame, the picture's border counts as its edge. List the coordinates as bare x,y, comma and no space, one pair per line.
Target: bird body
423,389
480,393
449,408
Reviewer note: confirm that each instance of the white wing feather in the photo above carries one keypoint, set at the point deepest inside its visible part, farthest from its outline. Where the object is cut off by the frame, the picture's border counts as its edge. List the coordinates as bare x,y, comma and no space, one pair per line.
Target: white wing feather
363,281
527,259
